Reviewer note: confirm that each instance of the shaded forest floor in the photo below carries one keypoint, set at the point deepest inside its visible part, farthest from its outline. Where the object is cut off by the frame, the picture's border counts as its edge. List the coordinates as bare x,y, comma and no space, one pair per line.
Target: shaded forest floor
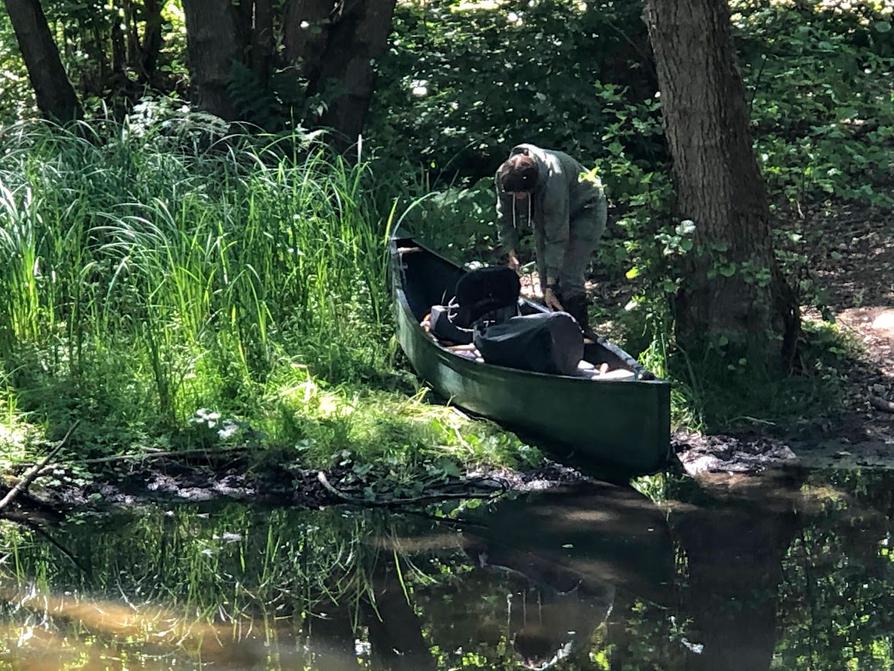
852,264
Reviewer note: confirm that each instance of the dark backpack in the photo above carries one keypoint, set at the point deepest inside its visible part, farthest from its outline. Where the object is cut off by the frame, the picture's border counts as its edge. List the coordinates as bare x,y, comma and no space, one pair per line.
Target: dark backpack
547,342
485,291
484,296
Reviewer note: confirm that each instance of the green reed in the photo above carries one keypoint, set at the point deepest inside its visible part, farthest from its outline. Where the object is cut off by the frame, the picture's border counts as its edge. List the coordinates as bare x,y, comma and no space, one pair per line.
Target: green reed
187,271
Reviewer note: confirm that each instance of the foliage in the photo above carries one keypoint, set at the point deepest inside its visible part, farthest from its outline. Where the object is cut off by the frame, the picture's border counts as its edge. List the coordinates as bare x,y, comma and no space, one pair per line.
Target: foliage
154,272
822,102
465,81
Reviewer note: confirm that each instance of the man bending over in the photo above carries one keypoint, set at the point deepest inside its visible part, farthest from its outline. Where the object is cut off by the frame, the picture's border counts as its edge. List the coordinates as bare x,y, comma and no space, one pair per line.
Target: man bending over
551,193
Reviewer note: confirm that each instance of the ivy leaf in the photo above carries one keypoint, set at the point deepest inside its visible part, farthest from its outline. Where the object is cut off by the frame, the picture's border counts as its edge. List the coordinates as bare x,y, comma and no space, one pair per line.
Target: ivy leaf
686,227
727,269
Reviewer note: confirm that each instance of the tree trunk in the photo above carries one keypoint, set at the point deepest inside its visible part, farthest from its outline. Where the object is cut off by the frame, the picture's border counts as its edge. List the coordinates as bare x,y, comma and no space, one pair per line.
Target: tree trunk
55,95
262,40
119,49
733,286
132,34
306,33
358,37
213,46
152,41
243,11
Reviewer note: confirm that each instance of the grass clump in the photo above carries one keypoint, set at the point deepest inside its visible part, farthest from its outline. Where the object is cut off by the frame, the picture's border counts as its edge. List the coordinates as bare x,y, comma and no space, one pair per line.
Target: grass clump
151,287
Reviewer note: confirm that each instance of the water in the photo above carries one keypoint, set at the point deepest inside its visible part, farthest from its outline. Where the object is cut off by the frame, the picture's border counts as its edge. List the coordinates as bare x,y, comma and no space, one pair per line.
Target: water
795,572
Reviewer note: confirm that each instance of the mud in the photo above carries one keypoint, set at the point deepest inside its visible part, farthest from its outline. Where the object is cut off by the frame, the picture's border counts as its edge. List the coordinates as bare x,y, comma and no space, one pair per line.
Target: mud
240,479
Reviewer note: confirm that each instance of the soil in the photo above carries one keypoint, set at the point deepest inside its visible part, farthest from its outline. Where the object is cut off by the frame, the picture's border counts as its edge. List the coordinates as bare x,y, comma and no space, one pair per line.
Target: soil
236,477
857,276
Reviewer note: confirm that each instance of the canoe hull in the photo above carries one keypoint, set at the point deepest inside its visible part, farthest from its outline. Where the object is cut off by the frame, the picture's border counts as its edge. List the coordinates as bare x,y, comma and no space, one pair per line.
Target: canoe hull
614,427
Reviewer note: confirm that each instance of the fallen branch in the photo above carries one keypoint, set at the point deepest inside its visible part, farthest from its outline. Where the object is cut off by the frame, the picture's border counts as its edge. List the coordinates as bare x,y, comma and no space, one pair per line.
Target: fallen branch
143,456
882,404
34,471
426,498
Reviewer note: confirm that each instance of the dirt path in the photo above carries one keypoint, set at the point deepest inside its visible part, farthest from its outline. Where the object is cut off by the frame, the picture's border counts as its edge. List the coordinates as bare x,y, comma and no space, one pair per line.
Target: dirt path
857,272
853,263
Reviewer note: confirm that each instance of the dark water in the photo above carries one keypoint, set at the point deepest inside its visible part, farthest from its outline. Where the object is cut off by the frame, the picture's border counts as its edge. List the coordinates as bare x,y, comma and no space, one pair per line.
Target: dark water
775,573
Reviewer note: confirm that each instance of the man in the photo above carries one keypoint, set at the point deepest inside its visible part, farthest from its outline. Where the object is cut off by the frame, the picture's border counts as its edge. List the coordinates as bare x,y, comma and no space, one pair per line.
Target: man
564,205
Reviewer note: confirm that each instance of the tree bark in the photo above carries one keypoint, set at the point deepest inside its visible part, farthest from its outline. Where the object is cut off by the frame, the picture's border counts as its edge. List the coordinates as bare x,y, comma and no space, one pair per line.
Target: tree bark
119,49
213,46
733,285
306,33
152,41
355,40
262,39
244,12
55,95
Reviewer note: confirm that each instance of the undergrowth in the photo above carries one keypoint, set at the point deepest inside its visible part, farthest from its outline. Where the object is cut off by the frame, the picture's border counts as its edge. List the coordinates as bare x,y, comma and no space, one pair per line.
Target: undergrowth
175,289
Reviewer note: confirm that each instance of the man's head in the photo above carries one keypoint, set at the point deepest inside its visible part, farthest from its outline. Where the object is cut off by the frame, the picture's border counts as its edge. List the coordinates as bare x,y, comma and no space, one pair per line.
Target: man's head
518,175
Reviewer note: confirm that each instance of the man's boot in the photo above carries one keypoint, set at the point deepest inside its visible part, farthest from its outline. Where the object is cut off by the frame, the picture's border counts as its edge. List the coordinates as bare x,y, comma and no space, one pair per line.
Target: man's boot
577,306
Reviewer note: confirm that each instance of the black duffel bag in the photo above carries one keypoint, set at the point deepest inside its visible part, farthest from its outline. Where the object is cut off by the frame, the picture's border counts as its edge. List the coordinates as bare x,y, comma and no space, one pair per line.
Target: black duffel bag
484,296
548,342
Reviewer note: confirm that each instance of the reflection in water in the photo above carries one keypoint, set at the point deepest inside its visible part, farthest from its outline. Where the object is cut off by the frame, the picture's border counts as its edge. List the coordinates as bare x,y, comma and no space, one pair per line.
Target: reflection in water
779,574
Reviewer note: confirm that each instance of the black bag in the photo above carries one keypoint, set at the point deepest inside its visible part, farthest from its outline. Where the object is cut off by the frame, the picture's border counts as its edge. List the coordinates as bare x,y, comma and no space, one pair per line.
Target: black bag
486,293
548,342
443,326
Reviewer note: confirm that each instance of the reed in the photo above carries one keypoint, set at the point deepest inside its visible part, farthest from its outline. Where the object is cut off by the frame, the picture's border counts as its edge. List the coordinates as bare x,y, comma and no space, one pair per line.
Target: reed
144,279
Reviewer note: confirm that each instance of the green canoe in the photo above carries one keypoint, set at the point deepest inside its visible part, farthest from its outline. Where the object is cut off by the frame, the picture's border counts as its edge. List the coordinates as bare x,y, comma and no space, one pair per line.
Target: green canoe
616,428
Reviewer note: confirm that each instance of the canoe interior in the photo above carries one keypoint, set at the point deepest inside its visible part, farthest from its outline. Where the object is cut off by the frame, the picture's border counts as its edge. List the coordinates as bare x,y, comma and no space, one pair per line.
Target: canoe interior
429,279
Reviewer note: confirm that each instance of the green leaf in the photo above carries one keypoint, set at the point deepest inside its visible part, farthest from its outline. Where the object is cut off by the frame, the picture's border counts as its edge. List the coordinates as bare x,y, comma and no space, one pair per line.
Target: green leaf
727,269
632,273
686,227
882,26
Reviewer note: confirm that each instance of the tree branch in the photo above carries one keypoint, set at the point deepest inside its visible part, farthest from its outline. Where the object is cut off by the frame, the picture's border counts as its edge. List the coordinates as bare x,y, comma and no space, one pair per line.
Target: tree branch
34,471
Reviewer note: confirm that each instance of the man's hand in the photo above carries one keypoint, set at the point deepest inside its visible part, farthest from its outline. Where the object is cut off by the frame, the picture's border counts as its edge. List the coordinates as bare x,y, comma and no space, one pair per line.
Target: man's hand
552,302
513,261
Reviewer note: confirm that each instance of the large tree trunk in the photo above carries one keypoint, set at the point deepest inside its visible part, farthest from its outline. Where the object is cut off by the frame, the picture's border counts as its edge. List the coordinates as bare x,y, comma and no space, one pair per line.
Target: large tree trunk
734,287
55,95
358,37
262,39
306,33
213,46
152,41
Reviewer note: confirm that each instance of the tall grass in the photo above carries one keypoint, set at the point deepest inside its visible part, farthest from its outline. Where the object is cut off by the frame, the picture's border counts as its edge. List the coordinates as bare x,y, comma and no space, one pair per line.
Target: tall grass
221,289
182,276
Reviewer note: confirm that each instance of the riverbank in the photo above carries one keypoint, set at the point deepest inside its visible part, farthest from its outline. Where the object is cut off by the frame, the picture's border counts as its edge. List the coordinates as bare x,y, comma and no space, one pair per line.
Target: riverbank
236,475
249,330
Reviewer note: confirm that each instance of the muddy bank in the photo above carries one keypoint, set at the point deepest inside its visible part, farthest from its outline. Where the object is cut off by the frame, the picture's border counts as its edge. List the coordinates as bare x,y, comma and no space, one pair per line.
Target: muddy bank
239,477
701,455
